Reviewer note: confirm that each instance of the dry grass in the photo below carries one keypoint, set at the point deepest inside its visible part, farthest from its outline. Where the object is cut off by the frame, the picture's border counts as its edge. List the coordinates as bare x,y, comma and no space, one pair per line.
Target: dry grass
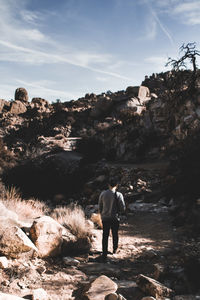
25,209
73,218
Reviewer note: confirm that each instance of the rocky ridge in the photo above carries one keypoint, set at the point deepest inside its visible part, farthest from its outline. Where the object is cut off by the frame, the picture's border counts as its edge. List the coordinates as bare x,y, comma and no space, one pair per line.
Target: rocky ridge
147,135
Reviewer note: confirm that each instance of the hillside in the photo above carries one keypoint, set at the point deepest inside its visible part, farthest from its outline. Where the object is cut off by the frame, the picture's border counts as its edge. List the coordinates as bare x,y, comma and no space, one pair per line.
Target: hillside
64,153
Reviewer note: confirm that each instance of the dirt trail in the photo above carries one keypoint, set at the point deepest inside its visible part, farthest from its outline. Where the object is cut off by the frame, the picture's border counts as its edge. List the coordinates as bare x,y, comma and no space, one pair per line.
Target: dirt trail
146,239
140,233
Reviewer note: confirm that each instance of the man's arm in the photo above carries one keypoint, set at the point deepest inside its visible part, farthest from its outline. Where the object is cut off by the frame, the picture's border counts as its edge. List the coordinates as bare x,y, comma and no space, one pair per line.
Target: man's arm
100,204
122,205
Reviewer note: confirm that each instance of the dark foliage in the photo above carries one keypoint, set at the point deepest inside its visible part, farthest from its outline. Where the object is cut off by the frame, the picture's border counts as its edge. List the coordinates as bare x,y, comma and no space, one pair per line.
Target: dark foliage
92,149
7,159
48,175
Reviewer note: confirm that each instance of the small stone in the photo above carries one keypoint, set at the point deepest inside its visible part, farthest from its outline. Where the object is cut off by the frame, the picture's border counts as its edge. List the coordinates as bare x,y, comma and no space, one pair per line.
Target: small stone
3,262
148,298
5,283
22,285
71,261
39,294
112,296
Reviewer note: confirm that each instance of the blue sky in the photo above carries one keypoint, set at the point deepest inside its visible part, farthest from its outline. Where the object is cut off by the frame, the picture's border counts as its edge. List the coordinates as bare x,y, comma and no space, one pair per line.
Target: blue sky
66,48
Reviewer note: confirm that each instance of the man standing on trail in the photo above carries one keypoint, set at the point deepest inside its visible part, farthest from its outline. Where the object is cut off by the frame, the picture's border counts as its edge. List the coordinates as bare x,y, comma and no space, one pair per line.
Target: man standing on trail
111,203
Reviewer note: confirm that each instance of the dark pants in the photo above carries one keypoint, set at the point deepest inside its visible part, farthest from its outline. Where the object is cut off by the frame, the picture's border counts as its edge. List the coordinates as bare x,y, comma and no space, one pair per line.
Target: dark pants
112,224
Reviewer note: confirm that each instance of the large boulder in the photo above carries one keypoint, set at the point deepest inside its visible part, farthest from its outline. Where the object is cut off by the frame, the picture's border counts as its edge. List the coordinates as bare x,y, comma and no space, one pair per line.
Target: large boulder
9,297
17,107
144,94
141,92
99,288
13,241
46,234
21,94
153,288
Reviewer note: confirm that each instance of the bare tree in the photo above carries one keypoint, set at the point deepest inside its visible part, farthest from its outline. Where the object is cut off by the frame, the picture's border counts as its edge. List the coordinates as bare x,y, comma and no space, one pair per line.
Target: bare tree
189,53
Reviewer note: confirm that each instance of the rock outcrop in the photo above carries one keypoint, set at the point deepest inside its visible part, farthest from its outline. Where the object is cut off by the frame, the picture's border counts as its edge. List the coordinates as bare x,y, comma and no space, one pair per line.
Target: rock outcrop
46,234
17,107
40,104
13,241
21,94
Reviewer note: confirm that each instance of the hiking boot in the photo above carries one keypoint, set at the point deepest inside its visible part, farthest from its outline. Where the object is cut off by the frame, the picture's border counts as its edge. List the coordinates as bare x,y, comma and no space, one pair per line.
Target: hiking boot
115,251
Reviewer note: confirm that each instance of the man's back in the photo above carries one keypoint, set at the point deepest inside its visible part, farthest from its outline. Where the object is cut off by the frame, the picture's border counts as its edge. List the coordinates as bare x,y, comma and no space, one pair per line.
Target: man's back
110,203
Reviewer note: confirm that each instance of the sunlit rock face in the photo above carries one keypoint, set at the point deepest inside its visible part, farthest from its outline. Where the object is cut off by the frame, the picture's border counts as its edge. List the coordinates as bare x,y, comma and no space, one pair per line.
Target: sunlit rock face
17,107
47,236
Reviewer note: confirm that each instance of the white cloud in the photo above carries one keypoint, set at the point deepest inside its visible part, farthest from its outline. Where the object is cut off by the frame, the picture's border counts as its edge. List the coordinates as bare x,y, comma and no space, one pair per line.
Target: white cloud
189,12
28,45
102,79
30,17
32,34
187,7
185,11
158,62
150,30
37,56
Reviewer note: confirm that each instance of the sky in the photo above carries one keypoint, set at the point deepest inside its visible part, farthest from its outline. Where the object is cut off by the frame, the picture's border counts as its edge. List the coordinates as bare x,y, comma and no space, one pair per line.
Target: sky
64,49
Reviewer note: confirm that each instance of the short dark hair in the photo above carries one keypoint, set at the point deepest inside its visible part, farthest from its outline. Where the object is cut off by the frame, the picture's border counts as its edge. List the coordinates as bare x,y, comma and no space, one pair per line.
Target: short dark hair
113,182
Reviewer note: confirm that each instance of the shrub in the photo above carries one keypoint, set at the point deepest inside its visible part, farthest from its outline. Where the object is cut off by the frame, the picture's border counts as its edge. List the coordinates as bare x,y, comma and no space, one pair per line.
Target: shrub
25,209
73,218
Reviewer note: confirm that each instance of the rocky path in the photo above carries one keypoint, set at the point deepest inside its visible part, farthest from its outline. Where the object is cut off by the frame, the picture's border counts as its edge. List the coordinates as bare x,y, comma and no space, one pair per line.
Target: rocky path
147,246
